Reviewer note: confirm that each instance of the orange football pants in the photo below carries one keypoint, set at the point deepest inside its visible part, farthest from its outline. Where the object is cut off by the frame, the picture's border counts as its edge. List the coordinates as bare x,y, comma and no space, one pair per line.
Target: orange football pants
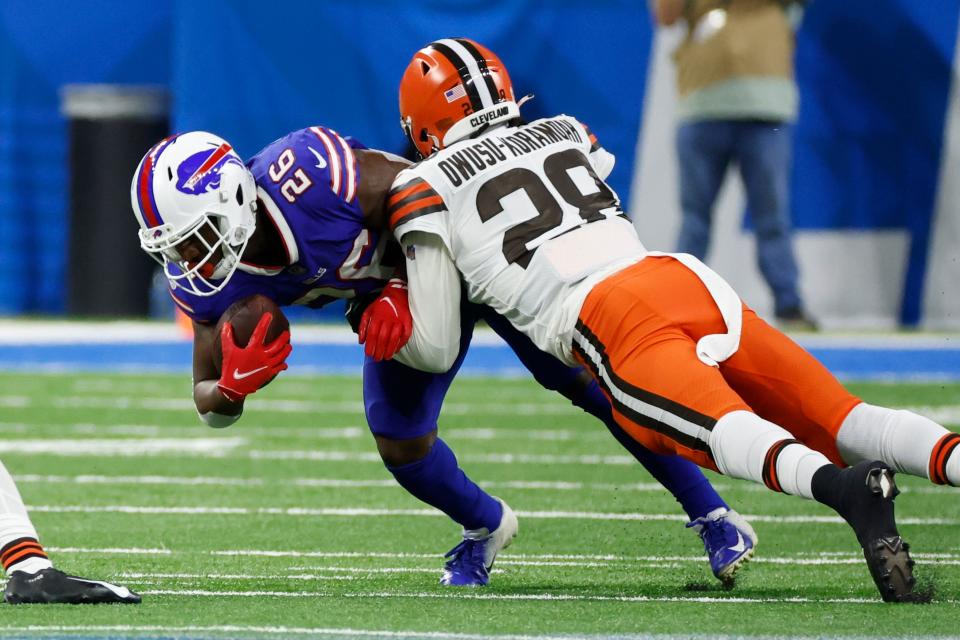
637,335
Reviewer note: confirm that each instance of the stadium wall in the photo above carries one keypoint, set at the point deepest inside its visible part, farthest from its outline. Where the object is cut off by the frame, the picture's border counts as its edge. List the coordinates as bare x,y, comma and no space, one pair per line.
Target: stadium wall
873,203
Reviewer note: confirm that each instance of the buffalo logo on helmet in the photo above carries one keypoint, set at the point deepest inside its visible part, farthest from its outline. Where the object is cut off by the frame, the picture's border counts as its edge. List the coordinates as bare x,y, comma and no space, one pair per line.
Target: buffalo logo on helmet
200,172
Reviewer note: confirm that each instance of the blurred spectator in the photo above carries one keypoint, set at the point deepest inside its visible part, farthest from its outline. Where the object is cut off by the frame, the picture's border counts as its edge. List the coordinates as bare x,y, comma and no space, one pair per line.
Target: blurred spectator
737,99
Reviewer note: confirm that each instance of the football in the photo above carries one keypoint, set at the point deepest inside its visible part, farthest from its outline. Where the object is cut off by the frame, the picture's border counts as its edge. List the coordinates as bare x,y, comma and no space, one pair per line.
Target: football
243,315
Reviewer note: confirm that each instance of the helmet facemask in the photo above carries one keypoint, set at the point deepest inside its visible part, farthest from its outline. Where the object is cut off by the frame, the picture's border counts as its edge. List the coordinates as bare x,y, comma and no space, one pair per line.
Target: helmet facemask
221,252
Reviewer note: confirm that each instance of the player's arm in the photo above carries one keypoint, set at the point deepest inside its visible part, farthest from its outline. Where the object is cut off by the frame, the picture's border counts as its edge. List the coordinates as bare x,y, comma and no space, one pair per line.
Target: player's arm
434,284
213,406
377,171
602,160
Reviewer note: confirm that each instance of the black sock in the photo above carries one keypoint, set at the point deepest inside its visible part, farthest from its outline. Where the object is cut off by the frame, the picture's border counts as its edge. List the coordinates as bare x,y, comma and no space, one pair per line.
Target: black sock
826,489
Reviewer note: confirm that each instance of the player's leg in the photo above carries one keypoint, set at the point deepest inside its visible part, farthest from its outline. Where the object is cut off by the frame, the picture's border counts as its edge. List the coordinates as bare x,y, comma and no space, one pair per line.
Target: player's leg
710,516
682,478
637,334
31,576
787,385
763,151
703,153
402,407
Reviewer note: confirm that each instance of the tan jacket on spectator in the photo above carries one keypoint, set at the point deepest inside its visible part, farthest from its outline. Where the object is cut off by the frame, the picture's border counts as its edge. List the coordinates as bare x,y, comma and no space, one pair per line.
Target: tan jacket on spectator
756,41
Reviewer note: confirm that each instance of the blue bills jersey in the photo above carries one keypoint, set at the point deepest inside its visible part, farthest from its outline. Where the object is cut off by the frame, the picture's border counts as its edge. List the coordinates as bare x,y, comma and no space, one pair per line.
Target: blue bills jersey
307,184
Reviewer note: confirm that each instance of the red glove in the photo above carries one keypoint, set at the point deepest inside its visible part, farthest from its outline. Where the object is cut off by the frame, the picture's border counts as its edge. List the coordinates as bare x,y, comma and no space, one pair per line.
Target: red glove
386,324
246,369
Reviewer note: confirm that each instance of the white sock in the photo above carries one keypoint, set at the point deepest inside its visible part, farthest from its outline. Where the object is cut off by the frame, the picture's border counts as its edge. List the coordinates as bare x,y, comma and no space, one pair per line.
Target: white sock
20,548
746,446
904,440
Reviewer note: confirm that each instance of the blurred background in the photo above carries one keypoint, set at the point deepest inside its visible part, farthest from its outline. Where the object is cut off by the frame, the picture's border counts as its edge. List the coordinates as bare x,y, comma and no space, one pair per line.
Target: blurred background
87,85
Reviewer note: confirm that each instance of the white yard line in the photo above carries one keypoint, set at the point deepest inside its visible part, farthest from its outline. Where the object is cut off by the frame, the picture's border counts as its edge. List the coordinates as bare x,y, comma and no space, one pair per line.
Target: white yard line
133,551
488,458
323,483
388,483
539,597
433,513
166,630
144,480
127,447
825,558
229,576
185,403
948,414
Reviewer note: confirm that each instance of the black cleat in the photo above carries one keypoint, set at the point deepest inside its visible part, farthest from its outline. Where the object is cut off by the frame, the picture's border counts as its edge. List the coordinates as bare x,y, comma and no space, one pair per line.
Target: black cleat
867,494
52,586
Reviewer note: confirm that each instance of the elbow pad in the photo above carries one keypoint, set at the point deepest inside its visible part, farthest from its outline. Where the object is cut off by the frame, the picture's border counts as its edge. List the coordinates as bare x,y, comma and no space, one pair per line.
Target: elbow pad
218,420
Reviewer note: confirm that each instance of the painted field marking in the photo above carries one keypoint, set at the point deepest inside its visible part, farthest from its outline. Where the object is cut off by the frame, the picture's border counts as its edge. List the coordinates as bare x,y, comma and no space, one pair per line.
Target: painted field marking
134,551
538,597
143,480
276,405
227,576
825,558
167,630
339,483
212,447
949,414
488,458
389,483
481,434
433,513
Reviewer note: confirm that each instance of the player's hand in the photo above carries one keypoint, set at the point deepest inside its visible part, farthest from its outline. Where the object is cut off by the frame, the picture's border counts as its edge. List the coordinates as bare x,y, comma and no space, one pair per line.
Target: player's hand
246,369
386,324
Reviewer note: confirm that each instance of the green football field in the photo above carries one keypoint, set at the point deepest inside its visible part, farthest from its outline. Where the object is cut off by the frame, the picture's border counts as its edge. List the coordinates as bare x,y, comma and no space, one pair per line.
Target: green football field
287,524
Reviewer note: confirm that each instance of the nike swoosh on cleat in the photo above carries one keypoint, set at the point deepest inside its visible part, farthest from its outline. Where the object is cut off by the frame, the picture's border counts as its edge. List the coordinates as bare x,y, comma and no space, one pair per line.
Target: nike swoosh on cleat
321,161
246,374
740,546
121,592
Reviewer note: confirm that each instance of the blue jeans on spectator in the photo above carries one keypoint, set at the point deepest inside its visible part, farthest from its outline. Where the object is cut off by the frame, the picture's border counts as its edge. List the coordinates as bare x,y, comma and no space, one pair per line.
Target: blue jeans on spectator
762,150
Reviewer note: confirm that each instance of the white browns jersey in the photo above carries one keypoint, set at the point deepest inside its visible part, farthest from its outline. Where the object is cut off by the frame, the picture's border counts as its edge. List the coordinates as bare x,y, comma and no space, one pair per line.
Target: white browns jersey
527,219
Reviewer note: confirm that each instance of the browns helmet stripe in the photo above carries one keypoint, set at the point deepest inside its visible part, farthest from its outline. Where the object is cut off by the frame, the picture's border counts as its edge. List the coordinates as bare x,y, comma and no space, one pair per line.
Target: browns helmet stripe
472,92
476,75
482,65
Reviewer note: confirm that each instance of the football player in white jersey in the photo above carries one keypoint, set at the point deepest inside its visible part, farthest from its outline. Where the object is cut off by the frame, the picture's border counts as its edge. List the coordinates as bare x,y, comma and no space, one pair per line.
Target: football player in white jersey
31,577
521,214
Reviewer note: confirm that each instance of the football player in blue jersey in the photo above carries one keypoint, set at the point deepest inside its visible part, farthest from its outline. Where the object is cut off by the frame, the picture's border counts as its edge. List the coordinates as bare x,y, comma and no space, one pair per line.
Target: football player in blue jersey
304,221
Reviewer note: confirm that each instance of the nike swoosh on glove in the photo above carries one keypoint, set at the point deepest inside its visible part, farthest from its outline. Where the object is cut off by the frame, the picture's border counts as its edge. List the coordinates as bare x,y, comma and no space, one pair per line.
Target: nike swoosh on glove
387,323
247,369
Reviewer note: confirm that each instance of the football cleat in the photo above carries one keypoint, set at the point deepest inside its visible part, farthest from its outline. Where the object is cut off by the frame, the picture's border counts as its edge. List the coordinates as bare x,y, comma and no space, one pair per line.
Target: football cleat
728,539
471,560
867,493
51,586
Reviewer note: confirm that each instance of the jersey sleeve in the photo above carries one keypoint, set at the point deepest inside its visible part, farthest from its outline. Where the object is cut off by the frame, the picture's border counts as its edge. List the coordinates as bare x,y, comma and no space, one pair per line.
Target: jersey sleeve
331,160
196,308
414,205
602,160
434,285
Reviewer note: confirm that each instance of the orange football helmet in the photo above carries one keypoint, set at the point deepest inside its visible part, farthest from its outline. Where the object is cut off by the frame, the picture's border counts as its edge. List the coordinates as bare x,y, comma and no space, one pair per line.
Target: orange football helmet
451,90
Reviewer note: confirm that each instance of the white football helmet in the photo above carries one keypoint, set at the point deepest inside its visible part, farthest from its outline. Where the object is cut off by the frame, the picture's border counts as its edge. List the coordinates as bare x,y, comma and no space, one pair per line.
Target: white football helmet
195,186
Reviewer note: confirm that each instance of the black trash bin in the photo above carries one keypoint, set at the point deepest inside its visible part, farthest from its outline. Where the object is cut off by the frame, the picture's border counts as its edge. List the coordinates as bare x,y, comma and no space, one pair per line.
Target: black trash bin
111,127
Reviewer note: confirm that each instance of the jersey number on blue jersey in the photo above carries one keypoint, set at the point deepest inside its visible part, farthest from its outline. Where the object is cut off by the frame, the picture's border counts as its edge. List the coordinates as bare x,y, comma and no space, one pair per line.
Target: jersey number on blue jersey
293,186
